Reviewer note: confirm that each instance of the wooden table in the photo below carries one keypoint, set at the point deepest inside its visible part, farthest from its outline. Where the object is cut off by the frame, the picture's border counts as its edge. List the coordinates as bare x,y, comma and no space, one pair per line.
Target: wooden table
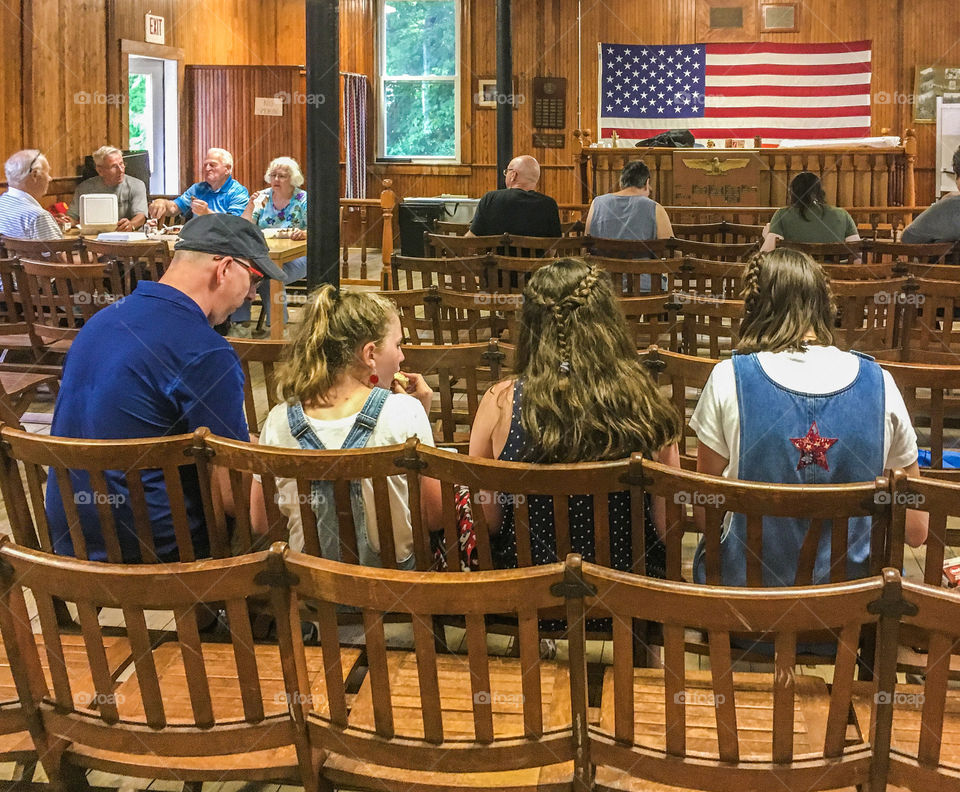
282,251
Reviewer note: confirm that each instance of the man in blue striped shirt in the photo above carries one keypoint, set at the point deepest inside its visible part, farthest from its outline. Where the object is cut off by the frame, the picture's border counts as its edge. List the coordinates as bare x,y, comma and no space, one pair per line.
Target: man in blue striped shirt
21,215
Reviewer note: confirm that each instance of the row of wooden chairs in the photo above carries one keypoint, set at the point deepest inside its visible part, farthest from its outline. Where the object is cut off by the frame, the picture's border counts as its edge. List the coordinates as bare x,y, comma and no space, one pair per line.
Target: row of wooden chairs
460,374
146,258
382,718
867,251
26,458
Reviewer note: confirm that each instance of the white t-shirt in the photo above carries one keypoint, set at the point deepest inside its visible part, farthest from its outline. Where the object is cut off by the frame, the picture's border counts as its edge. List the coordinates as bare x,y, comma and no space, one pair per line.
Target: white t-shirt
402,417
716,419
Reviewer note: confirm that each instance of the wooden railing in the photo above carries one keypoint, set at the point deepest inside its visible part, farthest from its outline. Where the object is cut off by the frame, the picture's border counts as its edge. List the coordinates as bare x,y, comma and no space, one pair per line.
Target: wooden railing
851,176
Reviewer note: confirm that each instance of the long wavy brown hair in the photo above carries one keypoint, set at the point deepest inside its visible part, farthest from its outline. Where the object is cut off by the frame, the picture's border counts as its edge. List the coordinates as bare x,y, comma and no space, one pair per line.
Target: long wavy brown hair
586,396
334,326
786,296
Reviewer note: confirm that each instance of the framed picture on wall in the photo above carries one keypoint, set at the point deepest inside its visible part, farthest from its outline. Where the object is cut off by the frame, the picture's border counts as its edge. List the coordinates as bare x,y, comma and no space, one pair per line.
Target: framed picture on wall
488,97
931,82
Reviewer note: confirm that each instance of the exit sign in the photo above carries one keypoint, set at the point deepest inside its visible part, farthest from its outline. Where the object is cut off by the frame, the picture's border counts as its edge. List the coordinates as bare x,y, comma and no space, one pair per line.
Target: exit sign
154,33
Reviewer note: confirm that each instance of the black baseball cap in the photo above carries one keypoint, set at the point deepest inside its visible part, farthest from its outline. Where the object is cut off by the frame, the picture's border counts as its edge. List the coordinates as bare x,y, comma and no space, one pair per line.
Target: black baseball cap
229,235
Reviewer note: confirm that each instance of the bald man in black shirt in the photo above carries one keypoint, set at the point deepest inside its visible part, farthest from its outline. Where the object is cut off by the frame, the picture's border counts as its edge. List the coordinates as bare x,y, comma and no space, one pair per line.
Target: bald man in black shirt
518,209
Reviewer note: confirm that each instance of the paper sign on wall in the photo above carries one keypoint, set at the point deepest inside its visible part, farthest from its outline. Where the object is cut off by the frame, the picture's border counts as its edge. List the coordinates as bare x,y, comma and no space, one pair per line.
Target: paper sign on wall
268,106
155,29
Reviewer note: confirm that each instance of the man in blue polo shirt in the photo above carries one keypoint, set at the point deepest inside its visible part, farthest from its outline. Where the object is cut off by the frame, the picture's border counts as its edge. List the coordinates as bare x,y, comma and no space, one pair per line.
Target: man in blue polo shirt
152,365
218,192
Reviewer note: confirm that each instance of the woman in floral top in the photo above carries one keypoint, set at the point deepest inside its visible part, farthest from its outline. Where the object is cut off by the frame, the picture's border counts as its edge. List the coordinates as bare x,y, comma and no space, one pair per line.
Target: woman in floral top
282,205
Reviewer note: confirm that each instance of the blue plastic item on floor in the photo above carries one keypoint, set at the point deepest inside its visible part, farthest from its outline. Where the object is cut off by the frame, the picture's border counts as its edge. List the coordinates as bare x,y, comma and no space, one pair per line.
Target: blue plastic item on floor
951,459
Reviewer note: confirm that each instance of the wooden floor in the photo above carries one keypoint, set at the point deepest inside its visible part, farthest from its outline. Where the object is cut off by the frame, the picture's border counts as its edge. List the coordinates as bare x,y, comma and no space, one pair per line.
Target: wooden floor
38,420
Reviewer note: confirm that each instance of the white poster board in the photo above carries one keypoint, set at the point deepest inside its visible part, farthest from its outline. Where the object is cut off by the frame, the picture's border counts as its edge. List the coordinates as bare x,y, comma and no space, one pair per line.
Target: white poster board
948,140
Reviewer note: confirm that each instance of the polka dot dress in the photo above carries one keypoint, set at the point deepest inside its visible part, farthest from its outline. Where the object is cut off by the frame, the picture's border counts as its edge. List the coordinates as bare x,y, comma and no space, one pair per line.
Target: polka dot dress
543,546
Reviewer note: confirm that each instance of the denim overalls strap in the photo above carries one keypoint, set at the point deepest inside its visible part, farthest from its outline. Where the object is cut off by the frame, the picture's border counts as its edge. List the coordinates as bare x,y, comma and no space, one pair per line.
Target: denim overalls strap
321,492
791,437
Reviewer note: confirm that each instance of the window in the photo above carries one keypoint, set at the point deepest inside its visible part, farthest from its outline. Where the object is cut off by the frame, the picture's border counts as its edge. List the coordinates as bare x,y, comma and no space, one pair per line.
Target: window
419,110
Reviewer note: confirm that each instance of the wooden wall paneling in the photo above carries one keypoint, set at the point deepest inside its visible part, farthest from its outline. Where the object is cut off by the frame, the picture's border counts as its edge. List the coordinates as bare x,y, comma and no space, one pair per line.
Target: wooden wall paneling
11,127
43,100
253,140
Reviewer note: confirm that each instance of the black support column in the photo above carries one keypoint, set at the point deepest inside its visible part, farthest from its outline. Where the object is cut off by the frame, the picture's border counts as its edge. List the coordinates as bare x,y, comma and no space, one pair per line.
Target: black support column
505,96
323,141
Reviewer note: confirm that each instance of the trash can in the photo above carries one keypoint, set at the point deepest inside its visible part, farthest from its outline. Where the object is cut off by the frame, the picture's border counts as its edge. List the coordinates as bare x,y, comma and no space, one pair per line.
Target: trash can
417,216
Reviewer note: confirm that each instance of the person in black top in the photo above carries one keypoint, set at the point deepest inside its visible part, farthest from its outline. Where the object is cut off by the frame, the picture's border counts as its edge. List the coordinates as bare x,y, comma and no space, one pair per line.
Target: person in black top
518,209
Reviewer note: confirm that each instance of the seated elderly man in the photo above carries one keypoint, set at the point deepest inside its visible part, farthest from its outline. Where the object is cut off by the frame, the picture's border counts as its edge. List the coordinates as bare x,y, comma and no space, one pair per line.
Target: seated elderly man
218,192
941,222
152,366
112,178
21,215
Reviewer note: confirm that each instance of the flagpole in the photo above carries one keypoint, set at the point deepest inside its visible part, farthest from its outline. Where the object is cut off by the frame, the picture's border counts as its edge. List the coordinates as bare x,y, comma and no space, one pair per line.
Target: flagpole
579,63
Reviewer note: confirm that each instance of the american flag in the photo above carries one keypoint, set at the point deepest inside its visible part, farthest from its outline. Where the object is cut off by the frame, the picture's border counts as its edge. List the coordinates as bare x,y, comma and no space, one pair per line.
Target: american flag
774,91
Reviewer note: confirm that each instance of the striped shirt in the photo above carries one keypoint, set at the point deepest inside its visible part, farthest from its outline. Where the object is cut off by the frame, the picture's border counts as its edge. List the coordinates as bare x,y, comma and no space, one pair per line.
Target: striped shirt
22,217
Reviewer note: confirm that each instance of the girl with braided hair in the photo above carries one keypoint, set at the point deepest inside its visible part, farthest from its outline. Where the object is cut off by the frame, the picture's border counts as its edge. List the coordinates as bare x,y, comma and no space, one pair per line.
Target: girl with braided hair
791,408
580,395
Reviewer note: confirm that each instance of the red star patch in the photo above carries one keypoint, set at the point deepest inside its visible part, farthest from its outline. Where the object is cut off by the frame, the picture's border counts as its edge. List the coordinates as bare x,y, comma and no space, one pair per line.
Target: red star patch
813,448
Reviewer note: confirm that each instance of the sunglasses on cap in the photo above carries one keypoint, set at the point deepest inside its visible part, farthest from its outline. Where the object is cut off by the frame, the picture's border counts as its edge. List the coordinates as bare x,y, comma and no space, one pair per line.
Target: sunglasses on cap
255,275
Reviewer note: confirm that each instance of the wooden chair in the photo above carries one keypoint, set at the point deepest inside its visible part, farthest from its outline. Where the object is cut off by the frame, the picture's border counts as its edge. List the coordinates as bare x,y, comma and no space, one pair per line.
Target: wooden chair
930,393
134,261
717,251
459,374
710,327
683,377
870,316
64,296
18,389
544,247
653,320
741,233
923,753
941,501
450,229
510,274
111,479
193,711
441,245
463,273
572,228
882,252
417,309
630,248
639,277
581,486
941,272
267,354
812,506
463,317
931,322
864,272
69,250
286,476
698,232
16,332
710,278
829,252
429,721
724,729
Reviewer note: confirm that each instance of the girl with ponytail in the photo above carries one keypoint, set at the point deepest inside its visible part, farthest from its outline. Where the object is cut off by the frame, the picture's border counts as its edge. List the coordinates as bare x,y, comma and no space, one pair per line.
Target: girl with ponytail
580,395
337,377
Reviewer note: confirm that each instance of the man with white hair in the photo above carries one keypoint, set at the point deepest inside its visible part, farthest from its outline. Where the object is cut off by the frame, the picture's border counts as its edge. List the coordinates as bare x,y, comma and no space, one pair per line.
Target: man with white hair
218,192
21,215
518,209
112,178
